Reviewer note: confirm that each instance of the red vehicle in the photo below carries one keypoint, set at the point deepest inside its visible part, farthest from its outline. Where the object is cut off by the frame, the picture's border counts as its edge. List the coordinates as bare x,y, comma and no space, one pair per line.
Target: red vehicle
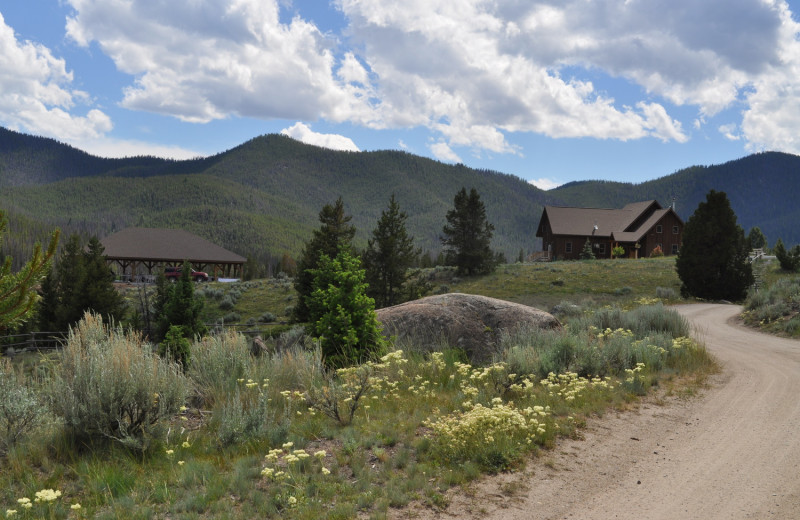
173,273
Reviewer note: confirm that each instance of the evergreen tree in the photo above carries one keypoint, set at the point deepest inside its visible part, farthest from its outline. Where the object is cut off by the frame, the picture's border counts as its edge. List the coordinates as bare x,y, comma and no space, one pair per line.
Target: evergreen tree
158,324
251,269
287,265
80,281
70,281
586,252
712,262
789,260
341,314
468,235
335,233
177,306
98,289
389,256
46,318
17,289
175,346
756,239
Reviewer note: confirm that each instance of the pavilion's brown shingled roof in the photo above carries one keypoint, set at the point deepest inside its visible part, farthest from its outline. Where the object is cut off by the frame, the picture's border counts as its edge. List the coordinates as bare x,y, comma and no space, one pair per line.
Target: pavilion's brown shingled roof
168,245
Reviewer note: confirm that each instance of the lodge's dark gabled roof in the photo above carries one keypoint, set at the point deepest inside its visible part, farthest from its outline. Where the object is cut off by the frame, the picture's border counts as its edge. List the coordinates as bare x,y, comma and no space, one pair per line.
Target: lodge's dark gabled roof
628,224
641,230
165,245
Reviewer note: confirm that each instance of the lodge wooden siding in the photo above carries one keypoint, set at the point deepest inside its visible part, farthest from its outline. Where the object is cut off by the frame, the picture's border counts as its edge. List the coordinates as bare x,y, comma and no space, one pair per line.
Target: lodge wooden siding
667,239
638,228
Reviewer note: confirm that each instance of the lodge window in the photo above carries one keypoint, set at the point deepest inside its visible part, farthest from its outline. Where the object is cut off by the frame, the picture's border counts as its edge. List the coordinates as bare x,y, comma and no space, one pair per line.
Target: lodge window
675,230
602,249
568,247
659,229
674,249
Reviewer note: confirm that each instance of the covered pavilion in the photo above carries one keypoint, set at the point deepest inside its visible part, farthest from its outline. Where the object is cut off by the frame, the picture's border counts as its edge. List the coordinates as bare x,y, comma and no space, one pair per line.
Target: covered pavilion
138,251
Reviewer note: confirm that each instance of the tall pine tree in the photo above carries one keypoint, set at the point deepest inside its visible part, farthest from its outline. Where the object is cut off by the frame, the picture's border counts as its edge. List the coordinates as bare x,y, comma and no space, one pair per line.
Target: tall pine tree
336,233
101,296
389,255
80,281
468,235
176,305
70,279
341,314
712,262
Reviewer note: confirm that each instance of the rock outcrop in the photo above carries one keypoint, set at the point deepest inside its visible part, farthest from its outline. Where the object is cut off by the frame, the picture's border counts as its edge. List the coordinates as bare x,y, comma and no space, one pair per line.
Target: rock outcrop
470,322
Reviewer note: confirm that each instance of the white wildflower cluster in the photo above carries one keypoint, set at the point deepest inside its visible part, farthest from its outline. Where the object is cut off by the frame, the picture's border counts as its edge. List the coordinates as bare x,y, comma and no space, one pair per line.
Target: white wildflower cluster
47,495
422,387
616,333
44,496
437,361
569,386
683,343
286,468
460,433
655,350
391,364
295,395
632,374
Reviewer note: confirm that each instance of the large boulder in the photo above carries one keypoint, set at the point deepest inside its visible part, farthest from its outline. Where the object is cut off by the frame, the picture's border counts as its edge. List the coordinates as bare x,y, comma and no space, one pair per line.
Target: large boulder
470,322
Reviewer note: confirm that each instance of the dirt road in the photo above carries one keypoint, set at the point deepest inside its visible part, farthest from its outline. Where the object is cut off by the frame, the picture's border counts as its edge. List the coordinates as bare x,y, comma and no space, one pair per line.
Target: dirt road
731,453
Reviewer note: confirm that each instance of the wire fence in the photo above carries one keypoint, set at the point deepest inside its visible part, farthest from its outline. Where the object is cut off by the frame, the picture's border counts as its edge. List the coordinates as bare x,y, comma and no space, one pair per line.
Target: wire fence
14,344
31,342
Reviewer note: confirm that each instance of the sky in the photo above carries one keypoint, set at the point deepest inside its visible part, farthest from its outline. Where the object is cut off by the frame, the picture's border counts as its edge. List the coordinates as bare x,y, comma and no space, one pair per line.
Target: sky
550,91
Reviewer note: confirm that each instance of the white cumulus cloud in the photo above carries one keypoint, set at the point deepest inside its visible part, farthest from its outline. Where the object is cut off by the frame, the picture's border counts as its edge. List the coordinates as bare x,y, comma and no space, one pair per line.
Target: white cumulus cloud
443,152
201,61
545,183
303,133
470,71
116,148
36,94
730,131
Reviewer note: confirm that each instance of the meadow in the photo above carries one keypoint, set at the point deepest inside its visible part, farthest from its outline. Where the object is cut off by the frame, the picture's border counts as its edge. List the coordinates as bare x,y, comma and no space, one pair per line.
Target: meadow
541,285
106,429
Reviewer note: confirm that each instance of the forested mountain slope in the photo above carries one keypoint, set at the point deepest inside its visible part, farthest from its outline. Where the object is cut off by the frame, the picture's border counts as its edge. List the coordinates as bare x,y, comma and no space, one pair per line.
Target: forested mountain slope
262,198
259,199
763,189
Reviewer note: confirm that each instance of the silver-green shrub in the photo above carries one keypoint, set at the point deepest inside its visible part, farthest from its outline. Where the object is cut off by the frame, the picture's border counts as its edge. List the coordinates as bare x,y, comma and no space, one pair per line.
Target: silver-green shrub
642,321
245,415
666,293
111,384
218,361
604,343
20,410
267,317
293,368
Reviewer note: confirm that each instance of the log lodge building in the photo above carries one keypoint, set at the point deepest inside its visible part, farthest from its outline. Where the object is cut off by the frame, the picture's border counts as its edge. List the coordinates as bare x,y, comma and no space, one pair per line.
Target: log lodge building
639,228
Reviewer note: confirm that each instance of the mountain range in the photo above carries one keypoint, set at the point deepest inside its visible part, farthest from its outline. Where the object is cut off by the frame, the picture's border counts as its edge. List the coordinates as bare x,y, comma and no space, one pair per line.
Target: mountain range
262,198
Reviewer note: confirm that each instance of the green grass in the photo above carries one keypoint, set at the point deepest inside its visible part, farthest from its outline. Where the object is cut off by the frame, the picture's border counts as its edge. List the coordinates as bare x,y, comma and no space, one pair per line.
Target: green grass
602,281
541,285
419,428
